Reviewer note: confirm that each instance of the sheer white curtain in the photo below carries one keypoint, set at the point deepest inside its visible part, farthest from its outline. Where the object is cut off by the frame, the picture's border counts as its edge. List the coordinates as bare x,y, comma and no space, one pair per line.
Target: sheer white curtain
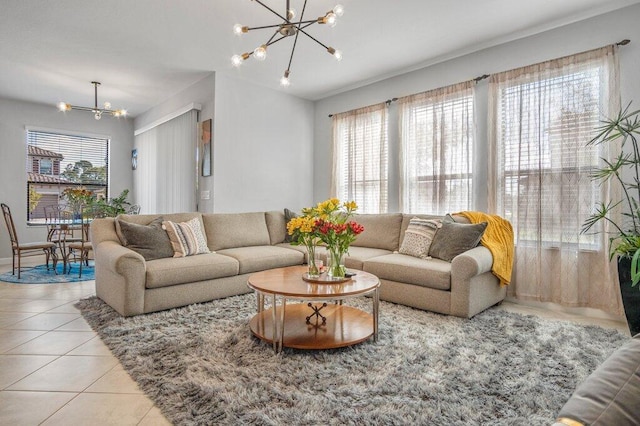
436,150
165,179
360,170
542,117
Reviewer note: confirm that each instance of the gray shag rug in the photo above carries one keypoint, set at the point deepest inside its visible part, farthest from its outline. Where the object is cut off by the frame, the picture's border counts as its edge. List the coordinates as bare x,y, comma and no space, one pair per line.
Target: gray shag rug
201,365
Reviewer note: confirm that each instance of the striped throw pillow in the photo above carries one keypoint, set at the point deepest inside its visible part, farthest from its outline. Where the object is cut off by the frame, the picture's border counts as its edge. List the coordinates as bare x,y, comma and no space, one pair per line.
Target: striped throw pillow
187,238
418,237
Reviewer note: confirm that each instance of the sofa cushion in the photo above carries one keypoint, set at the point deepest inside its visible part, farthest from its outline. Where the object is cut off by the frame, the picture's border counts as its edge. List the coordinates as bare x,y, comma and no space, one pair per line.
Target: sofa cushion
380,231
260,258
454,238
230,230
277,227
151,241
173,271
609,396
187,238
288,215
357,255
145,219
418,237
301,249
432,273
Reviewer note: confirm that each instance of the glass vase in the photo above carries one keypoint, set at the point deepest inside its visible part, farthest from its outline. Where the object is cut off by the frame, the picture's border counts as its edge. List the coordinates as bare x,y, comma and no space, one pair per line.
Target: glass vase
314,270
335,263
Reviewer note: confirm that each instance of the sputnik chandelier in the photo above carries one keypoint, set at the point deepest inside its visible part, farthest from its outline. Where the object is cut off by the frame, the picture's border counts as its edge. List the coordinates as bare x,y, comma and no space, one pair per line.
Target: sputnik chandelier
97,112
288,28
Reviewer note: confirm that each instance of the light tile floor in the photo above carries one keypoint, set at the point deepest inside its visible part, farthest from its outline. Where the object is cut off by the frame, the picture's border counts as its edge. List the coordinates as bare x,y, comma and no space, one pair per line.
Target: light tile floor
54,370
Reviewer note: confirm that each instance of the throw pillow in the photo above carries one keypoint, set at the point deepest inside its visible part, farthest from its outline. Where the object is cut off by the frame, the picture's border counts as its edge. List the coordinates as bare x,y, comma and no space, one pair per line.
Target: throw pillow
418,237
186,238
454,238
288,215
151,241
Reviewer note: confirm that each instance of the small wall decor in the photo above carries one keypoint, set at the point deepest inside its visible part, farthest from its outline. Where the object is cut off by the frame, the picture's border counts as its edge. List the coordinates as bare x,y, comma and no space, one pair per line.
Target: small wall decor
205,147
134,159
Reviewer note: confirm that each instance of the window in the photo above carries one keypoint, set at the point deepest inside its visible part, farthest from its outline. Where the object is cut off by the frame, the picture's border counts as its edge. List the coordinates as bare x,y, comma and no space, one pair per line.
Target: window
46,166
542,117
57,161
544,121
360,158
436,142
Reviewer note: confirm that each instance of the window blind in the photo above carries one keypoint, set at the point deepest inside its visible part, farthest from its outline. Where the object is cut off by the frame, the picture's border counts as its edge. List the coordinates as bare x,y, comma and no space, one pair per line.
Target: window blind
360,171
545,124
56,161
436,142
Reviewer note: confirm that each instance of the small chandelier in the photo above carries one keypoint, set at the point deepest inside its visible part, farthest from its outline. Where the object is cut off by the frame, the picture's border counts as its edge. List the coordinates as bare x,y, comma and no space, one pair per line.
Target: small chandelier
97,112
288,28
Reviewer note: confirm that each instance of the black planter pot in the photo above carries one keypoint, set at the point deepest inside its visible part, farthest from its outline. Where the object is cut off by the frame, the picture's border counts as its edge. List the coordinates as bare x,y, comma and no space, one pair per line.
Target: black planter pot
630,295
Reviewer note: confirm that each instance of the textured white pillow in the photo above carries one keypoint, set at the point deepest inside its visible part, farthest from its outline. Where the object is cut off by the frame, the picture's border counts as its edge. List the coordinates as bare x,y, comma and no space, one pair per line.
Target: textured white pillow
418,237
187,238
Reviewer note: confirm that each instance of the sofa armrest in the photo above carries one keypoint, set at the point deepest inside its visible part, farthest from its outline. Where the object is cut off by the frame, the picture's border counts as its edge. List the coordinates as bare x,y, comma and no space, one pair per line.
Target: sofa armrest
120,277
473,287
472,262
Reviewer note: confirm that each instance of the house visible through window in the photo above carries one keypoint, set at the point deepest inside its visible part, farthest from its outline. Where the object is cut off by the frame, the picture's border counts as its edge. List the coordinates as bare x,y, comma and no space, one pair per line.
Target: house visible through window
57,161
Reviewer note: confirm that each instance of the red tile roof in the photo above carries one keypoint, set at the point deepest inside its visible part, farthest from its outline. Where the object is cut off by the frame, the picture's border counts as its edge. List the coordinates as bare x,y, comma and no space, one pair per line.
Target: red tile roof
38,178
40,152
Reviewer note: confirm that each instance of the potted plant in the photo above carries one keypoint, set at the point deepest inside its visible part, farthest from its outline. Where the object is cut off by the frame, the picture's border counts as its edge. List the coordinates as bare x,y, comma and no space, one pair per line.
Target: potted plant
114,206
625,238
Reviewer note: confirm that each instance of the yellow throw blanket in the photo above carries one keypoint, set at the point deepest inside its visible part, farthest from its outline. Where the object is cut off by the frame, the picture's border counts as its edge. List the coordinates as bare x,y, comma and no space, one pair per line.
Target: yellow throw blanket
498,238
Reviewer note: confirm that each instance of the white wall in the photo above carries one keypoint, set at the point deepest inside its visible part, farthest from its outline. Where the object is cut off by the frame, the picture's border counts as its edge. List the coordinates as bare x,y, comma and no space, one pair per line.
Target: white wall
578,37
262,144
14,117
262,147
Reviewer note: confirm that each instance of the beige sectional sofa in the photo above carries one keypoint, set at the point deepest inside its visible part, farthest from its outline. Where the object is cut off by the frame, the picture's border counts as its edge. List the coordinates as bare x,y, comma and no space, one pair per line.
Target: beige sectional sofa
244,243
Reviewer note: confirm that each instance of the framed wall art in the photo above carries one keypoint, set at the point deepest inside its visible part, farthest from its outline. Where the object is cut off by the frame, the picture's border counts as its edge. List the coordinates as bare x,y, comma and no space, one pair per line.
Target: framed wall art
206,151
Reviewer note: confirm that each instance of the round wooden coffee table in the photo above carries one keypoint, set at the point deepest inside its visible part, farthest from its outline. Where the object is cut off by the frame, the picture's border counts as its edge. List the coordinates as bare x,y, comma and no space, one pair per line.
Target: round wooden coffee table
312,325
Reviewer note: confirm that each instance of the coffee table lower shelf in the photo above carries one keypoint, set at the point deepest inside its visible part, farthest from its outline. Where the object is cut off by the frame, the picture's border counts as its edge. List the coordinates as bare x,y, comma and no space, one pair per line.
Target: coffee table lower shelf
345,326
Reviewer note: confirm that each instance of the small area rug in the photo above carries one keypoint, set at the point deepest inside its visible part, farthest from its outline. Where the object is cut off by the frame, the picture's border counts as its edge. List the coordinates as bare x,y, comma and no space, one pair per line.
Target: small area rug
201,365
40,275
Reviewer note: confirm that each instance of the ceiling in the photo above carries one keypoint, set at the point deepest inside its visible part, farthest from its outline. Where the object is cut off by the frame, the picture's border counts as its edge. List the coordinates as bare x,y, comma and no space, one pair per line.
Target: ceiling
145,51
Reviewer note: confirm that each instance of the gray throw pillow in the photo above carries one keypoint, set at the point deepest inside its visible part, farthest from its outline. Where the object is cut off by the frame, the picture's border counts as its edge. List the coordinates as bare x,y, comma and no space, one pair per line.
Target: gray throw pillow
151,241
288,215
454,238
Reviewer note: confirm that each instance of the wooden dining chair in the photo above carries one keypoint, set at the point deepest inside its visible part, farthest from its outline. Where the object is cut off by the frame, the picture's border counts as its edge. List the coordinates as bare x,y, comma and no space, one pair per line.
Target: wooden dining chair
80,250
27,249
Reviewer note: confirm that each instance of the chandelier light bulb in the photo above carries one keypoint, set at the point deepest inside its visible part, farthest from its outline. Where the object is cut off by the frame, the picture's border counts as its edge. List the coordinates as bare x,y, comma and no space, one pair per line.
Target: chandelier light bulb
336,53
260,53
284,81
123,112
338,10
331,19
238,29
236,60
291,13
107,105
63,106
98,115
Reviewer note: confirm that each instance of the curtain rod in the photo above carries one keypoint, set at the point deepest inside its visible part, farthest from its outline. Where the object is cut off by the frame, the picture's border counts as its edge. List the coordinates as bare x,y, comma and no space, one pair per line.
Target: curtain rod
388,102
484,76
